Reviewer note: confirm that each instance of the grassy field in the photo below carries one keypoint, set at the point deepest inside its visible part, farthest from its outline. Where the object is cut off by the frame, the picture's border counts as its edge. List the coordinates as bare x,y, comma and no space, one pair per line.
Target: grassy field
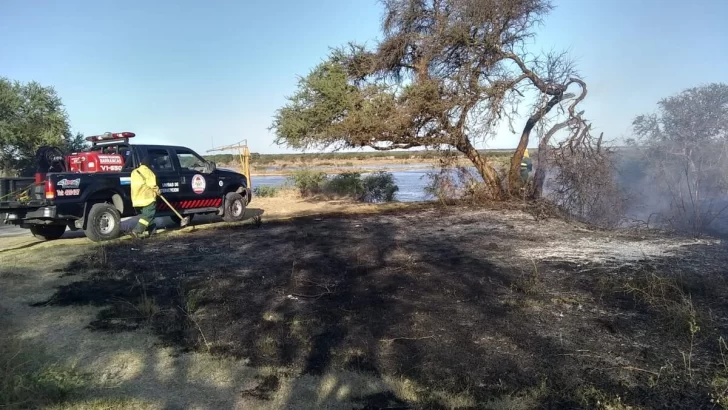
340,305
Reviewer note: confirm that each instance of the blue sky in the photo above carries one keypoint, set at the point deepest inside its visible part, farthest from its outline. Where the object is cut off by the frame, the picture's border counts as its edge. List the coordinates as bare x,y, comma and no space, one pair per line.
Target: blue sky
197,73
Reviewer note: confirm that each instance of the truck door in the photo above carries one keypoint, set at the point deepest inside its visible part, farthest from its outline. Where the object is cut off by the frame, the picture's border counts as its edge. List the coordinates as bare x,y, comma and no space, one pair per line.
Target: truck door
198,187
160,160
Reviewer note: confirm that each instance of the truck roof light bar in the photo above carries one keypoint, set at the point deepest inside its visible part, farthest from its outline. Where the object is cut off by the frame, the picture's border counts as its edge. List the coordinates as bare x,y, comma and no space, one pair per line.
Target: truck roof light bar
109,136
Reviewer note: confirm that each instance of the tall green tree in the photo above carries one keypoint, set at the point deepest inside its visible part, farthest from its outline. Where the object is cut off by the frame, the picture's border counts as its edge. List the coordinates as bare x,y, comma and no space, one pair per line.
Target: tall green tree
74,142
31,115
446,73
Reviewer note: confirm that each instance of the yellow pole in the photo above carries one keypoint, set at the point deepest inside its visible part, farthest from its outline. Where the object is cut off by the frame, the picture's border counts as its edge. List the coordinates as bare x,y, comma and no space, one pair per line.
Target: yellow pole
246,164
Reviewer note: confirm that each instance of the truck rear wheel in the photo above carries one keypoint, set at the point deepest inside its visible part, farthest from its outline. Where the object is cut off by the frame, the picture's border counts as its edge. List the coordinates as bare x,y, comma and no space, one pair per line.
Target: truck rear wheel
104,222
234,207
48,232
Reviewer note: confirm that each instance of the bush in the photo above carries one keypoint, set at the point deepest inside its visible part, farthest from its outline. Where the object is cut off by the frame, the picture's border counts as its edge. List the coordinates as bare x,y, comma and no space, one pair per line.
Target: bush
442,186
584,185
266,191
379,187
308,182
457,185
348,184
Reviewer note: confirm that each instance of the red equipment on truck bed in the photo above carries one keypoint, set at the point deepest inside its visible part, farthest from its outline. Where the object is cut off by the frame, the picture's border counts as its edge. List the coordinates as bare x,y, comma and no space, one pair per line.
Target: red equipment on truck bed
105,159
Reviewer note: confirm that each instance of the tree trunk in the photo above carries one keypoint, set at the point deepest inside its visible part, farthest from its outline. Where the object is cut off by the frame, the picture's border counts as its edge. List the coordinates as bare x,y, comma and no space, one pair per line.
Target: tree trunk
490,176
514,174
542,156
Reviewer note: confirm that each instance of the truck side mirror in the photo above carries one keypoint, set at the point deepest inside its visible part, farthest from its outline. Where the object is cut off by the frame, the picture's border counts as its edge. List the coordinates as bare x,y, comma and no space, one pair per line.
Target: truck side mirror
211,167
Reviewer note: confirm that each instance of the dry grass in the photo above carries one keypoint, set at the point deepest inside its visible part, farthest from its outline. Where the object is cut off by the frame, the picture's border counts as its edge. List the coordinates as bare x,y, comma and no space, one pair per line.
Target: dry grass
109,404
31,379
569,285
130,370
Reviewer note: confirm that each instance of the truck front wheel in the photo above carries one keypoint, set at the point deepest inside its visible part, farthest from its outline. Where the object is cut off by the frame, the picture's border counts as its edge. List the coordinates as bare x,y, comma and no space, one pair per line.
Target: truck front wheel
104,222
47,232
234,210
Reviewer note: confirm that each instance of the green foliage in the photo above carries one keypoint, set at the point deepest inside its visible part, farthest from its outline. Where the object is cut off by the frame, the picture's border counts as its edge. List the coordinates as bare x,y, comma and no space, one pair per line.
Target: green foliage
323,99
379,187
308,182
30,116
348,184
266,191
693,117
74,143
410,89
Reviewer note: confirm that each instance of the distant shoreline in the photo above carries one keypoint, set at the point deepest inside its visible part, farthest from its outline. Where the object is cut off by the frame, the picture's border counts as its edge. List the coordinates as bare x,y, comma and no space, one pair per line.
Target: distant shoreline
285,171
287,168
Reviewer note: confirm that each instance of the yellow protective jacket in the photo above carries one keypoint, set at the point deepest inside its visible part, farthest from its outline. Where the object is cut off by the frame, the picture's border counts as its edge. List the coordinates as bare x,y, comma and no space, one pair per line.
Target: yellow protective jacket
143,187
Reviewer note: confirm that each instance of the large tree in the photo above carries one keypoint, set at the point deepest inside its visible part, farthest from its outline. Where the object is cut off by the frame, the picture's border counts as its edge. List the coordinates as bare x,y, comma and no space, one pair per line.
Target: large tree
31,115
686,151
74,142
445,74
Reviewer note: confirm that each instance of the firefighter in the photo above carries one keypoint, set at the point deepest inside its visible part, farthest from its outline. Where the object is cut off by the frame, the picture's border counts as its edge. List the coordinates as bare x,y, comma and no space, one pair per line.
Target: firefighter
144,191
526,166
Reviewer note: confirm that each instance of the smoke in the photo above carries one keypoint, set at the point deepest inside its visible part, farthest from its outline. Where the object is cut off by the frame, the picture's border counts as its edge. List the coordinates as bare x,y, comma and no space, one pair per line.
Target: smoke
672,175
662,186
678,187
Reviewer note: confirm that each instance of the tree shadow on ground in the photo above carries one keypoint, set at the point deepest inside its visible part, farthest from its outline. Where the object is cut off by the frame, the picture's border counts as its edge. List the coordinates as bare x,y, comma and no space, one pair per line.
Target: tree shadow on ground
434,304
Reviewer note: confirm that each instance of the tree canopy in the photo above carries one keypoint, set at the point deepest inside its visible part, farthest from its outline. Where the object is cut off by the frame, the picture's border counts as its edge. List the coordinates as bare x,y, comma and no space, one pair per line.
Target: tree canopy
445,74
695,116
31,116
686,143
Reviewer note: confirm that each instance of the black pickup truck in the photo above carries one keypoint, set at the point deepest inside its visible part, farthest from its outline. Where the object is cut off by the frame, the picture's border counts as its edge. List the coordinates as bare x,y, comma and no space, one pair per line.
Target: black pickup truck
91,190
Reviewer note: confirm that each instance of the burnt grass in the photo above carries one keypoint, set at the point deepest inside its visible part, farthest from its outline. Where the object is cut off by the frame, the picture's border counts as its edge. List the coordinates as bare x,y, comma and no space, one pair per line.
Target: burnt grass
441,298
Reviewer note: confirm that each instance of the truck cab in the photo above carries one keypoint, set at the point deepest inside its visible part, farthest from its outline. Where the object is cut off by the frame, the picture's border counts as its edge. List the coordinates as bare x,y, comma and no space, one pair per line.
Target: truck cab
93,190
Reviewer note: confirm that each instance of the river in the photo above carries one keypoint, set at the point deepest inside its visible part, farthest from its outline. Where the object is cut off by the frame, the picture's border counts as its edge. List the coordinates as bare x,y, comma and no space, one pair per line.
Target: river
411,183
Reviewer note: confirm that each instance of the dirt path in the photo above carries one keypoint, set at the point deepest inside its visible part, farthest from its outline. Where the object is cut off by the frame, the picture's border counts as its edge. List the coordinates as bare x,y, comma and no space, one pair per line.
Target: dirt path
424,309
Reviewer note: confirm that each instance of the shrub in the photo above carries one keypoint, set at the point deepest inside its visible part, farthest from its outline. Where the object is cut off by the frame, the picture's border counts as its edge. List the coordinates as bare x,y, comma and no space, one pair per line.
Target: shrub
308,182
266,191
348,184
457,185
441,187
379,187
584,185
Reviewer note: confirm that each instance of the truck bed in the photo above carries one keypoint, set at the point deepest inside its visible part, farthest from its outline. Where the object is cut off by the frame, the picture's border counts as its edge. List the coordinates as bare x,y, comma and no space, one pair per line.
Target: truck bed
10,185
34,203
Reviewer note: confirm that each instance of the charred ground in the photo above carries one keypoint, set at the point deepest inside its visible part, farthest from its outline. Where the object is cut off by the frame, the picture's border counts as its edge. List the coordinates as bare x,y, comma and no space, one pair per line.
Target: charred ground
482,306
